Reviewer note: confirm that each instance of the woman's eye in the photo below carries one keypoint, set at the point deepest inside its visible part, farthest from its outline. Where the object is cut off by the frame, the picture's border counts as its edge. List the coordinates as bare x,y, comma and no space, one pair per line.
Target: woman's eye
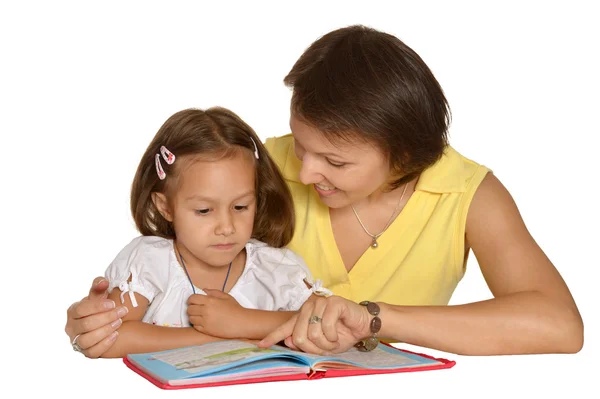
240,207
202,211
336,164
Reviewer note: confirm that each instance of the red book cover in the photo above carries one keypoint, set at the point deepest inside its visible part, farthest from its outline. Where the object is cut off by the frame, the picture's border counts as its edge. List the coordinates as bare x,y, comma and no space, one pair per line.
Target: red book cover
318,369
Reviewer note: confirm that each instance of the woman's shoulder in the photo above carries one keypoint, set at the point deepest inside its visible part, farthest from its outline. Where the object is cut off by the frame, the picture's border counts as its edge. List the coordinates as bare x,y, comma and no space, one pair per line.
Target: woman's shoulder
453,172
281,150
279,146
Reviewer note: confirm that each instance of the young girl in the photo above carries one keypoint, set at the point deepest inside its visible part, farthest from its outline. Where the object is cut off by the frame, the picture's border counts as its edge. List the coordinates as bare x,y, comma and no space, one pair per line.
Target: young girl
214,214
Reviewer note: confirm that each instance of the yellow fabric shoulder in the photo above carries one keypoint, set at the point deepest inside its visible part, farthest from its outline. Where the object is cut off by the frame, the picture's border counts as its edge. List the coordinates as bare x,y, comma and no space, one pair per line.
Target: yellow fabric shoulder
420,258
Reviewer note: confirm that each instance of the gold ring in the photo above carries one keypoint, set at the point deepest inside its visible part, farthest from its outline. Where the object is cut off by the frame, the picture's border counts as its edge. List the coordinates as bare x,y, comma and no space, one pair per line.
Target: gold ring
314,320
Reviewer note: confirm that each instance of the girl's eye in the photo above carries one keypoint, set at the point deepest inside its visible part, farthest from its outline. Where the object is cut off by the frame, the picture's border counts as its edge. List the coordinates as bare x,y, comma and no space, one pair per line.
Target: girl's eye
240,207
336,164
202,211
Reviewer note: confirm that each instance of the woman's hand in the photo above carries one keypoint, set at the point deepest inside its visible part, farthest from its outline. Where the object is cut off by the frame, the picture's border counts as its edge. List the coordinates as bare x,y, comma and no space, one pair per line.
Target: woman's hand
93,321
342,324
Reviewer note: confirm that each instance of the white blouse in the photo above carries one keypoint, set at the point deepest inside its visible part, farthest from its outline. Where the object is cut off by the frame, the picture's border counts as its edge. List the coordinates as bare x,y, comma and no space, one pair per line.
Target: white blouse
273,279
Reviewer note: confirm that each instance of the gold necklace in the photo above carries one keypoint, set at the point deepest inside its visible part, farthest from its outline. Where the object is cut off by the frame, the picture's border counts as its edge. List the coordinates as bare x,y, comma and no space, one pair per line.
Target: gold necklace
376,236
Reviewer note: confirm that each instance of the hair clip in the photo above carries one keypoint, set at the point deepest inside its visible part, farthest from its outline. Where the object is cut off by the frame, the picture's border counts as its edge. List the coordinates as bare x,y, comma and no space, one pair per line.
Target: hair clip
169,159
159,170
167,155
255,148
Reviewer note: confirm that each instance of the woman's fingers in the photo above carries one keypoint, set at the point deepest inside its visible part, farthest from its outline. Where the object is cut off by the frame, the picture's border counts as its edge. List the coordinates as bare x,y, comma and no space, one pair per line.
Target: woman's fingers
99,288
93,321
99,348
94,324
279,334
87,307
300,337
316,323
290,343
96,335
331,317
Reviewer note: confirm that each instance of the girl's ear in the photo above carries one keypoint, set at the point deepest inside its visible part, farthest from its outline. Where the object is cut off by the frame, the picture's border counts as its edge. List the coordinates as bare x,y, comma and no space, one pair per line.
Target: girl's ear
161,203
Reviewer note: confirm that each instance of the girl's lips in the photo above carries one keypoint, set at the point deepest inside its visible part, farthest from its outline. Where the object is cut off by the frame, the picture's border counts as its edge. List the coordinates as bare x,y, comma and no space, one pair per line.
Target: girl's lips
325,193
223,246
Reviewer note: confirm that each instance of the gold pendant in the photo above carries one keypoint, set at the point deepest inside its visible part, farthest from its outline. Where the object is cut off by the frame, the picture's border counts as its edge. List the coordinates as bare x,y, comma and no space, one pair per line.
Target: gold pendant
374,243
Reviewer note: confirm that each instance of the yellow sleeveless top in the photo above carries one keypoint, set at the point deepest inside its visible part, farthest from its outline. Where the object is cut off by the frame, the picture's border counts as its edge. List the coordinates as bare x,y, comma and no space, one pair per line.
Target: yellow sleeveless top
420,258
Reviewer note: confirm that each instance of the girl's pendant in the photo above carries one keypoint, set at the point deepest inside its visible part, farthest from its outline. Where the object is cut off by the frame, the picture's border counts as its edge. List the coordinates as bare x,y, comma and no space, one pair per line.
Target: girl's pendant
374,243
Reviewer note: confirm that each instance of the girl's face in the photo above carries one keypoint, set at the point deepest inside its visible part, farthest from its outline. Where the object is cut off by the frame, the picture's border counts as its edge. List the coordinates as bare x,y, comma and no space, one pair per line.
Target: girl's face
341,174
213,209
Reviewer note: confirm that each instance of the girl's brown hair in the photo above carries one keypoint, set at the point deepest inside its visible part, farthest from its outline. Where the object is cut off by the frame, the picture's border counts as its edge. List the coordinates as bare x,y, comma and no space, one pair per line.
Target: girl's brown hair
359,83
214,133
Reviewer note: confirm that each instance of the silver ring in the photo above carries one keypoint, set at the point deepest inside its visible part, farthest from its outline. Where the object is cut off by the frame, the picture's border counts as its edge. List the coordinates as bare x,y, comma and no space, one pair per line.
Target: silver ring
314,320
75,345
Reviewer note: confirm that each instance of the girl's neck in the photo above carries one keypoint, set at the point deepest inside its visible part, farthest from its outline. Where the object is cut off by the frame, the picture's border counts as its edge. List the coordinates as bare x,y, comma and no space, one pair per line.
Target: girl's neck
194,263
204,275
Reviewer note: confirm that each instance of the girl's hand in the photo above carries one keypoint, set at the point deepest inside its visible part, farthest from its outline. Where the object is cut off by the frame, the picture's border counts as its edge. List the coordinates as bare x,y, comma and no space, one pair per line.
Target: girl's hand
93,321
343,323
217,314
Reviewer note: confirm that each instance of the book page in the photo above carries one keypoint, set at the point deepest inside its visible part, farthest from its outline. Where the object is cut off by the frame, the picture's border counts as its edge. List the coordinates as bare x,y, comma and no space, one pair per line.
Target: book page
260,368
224,359
382,357
212,357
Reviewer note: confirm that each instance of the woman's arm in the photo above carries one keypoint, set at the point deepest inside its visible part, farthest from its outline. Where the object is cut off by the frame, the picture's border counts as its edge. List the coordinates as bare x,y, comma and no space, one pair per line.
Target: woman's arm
135,336
532,310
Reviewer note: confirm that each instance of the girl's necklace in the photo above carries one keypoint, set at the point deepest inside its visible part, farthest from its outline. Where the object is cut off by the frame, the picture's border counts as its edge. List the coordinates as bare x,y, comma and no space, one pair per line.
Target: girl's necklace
190,279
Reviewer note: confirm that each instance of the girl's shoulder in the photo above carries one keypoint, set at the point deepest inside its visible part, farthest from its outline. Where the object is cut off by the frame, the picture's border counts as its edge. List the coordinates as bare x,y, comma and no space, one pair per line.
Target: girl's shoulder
148,243
144,259
148,250
261,255
282,268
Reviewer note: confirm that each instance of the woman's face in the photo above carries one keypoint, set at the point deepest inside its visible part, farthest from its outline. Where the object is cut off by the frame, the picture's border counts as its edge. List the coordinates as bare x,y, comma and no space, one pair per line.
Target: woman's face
341,173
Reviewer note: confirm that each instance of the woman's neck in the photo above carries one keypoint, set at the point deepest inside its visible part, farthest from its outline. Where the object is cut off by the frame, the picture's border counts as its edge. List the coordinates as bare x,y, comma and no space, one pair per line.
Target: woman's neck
382,198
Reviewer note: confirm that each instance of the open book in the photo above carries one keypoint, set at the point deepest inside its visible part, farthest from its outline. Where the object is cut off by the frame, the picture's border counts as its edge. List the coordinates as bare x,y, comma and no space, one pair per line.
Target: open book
237,362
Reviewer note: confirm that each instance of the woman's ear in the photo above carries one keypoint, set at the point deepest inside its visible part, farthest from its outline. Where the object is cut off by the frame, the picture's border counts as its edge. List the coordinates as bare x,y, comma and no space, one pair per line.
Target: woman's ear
161,203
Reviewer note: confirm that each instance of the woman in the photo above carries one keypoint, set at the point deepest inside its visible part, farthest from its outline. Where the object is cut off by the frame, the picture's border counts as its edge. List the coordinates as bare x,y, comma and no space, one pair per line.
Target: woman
387,212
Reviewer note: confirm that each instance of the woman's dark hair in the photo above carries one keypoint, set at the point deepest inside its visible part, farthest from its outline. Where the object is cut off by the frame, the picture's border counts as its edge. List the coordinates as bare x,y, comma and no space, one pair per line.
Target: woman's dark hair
360,83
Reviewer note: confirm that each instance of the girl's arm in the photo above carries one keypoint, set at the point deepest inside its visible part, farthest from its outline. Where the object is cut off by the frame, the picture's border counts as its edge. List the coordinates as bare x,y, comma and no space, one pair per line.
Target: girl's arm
135,336
262,322
532,310
219,314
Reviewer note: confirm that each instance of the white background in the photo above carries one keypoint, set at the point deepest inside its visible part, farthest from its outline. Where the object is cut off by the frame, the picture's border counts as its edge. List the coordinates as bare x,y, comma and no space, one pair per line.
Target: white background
84,86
